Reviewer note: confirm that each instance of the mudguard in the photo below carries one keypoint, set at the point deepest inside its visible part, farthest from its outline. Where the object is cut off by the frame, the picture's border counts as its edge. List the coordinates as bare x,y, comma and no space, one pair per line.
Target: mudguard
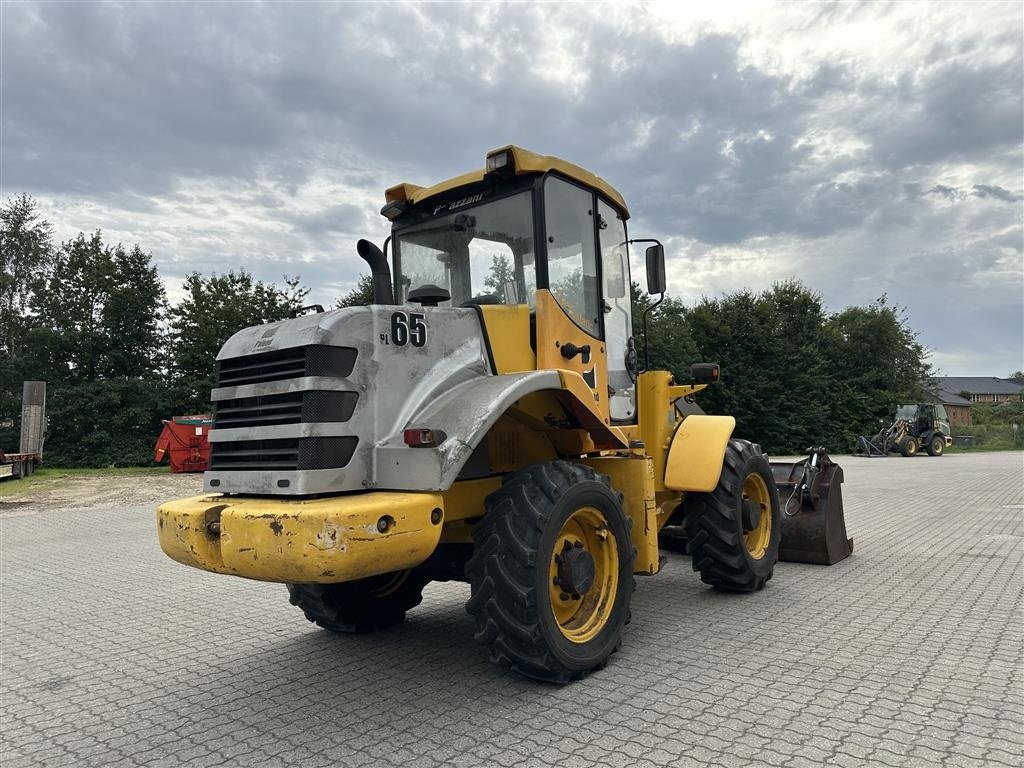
697,451
464,413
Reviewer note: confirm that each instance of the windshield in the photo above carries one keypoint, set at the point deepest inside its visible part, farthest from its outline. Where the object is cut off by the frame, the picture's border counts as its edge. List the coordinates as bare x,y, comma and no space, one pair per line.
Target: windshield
908,412
483,254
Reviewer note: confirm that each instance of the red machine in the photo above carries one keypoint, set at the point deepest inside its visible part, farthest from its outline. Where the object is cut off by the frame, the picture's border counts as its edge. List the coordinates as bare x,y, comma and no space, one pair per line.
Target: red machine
186,439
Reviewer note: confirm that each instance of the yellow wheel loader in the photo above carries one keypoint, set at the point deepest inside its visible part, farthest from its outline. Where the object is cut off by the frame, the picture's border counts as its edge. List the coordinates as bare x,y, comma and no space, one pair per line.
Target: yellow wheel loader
485,420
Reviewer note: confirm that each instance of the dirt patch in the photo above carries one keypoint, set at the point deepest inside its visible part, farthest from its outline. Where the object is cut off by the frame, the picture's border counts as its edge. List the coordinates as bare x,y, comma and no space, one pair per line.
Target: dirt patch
99,490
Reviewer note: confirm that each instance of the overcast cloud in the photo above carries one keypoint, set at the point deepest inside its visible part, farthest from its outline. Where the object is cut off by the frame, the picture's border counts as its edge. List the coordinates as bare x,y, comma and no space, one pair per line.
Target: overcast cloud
863,149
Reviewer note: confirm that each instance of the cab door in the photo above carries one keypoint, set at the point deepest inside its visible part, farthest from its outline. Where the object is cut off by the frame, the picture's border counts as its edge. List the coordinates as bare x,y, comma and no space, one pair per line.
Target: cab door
569,311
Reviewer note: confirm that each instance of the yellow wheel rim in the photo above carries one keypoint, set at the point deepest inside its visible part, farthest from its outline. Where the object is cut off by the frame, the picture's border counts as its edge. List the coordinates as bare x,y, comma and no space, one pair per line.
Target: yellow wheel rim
581,616
755,489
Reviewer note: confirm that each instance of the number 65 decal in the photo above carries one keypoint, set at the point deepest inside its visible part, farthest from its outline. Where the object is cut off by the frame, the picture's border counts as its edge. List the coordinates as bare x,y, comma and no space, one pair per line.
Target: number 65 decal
408,328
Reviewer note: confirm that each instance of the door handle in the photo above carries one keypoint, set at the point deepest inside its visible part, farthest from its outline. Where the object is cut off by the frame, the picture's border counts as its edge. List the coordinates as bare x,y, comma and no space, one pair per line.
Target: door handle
570,350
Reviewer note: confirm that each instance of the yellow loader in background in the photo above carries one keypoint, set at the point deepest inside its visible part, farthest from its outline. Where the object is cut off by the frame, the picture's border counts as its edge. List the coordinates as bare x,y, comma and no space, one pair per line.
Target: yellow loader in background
485,420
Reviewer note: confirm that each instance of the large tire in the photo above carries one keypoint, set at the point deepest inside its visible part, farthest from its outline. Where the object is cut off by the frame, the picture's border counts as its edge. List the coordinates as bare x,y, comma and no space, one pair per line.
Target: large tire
532,601
732,551
937,445
356,607
672,538
909,446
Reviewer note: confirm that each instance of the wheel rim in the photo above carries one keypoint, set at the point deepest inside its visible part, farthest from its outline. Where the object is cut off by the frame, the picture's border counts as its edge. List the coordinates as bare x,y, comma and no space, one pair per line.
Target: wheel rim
580,618
755,490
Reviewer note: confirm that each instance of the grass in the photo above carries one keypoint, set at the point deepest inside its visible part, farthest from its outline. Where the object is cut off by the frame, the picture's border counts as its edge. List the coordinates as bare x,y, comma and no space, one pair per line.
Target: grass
45,474
989,437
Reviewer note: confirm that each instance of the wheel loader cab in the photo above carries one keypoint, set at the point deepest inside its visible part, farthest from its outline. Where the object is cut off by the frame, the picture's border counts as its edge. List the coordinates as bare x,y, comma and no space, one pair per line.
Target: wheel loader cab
544,241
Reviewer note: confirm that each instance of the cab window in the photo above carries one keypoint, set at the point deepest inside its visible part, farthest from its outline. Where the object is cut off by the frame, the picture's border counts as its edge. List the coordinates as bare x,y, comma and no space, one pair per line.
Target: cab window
572,262
483,254
618,324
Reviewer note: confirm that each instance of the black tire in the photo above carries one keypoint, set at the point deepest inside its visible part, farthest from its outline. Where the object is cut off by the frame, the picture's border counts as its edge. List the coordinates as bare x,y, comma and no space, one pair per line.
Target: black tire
357,607
672,538
714,524
909,446
516,544
937,445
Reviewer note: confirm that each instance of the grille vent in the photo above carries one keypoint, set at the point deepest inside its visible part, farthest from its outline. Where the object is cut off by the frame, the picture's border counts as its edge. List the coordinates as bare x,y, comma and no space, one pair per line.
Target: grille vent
281,364
284,454
286,408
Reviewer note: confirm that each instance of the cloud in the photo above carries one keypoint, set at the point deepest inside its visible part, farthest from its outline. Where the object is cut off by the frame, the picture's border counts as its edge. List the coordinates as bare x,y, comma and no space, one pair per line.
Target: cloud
997,192
849,146
949,193
343,217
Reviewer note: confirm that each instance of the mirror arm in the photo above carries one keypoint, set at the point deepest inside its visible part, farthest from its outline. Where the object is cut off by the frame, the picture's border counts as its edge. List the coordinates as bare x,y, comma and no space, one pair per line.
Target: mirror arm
647,351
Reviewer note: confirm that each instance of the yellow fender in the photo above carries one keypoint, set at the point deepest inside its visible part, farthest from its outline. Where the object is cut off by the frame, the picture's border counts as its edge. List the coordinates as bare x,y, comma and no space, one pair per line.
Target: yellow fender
696,453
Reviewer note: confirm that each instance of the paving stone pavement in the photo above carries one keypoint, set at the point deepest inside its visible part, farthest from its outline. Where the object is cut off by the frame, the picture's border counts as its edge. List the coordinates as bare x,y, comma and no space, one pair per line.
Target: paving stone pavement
908,653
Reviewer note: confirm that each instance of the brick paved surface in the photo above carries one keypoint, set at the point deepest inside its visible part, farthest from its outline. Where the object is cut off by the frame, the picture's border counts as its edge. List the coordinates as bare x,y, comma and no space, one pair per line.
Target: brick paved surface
909,653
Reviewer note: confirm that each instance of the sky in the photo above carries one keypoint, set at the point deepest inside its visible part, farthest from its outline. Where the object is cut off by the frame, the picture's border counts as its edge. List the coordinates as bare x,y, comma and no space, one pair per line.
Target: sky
860,148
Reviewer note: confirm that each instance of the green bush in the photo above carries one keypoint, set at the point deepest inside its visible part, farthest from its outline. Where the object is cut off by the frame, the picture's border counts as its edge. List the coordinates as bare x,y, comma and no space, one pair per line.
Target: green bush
998,413
111,423
988,437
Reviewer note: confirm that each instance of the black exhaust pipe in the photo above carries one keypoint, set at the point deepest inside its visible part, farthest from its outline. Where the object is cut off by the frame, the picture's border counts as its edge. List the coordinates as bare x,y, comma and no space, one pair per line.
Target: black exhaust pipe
379,272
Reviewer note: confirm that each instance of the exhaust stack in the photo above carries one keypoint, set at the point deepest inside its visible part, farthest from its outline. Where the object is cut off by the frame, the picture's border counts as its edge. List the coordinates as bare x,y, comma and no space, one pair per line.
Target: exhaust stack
379,271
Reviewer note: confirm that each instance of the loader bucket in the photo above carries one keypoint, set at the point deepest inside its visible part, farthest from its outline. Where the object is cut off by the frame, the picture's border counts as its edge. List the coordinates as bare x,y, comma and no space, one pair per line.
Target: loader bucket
811,495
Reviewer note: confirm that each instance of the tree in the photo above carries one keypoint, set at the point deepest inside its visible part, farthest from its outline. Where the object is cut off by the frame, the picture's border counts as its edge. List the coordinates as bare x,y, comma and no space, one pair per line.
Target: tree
876,362
671,344
107,422
96,340
215,308
99,314
26,258
360,296
729,331
1017,377
774,379
500,275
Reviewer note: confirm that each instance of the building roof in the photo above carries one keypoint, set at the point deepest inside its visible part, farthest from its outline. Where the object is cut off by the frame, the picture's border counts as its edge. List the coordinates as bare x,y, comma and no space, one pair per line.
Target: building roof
948,398
977,385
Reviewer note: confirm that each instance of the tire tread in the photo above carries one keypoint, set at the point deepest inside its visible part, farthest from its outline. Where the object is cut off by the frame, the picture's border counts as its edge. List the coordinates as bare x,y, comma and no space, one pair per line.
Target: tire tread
717,546
352,608
502,569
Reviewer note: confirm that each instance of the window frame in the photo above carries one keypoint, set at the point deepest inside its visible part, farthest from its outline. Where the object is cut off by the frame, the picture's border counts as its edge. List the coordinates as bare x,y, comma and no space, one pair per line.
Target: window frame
411,220
540,220
510,188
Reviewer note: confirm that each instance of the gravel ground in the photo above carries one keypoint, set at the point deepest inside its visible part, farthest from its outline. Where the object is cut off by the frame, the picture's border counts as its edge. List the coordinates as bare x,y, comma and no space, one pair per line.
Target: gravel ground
909,653
88,491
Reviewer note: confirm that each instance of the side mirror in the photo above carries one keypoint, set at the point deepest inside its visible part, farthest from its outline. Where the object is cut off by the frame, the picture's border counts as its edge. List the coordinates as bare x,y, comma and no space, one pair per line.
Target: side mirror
656,282
704,373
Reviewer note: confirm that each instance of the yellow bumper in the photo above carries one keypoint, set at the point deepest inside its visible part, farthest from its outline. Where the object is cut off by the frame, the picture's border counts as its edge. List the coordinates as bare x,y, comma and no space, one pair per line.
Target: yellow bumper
318,540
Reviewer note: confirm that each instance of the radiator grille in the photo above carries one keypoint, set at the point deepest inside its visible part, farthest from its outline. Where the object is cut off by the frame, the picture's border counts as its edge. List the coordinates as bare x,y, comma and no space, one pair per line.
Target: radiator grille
284,454
287,408
291,363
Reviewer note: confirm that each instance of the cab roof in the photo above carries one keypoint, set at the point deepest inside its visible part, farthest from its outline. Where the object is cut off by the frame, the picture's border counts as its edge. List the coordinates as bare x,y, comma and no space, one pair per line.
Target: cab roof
525,162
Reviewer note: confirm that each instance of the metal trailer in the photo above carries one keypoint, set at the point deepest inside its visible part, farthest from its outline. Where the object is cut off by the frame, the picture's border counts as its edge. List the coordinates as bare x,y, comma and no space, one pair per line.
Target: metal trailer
15,466
33,434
